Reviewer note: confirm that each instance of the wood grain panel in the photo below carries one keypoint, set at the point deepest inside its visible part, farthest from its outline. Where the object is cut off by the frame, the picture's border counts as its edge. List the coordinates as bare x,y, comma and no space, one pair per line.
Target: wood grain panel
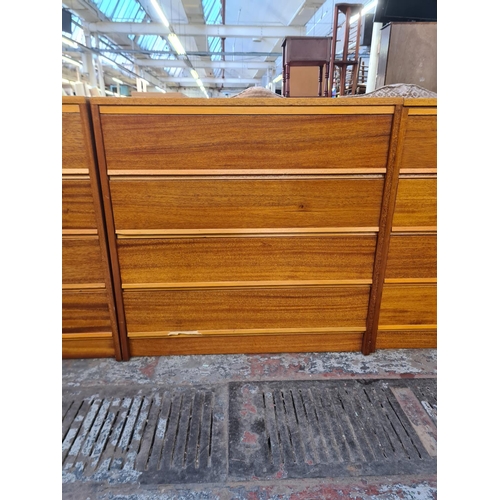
251,344
85,311
412,256
408,305
146,100
135,142
246,259
416,202
245,203
420,143
229,108
74,150
161,310
86,346
82,260
408,339
78,210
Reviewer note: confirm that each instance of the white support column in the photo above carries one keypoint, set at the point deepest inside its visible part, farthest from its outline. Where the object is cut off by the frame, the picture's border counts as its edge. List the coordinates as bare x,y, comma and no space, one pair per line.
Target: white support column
374,55
100,74
88,62
138,79
139,82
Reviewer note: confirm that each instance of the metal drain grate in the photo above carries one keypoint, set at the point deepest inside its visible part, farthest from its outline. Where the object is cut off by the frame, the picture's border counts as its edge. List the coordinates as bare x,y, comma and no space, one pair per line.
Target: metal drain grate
425,391
159,436
327,428
299,429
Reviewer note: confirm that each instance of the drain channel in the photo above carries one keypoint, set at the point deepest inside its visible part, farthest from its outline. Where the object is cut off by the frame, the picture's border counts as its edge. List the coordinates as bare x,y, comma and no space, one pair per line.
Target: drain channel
163,436
249,430
327,428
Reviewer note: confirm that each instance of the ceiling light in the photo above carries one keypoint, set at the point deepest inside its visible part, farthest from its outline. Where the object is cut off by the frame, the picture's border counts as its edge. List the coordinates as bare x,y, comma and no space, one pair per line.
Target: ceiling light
174,40
160,13
364,10
117,81
278,78
69,42
160,89
66,81
109,93
71,61
194,74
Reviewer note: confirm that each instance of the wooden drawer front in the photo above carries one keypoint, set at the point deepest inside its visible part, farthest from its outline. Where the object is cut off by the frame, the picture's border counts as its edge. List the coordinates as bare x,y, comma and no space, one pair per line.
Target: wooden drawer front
87,346
150,142
78,210
173,310
411,339
416,203
408,305
246,344
224,203
246,259
74,150
420,143
85,311
82,261
412,256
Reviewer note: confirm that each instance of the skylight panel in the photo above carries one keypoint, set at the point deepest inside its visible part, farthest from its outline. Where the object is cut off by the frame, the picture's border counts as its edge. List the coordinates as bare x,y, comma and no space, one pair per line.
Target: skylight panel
212,11
77,35
153,43
121,10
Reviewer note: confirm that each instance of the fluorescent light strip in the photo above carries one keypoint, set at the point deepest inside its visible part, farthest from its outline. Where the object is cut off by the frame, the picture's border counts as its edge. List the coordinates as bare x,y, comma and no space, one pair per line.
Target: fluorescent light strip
160,89
278,78
160,13
194,74
364,10
174,40
202,87
117,81
71,61
69,42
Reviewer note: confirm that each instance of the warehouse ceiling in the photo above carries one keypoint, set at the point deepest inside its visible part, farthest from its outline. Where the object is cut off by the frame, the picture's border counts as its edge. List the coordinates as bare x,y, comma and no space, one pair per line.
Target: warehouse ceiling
198,47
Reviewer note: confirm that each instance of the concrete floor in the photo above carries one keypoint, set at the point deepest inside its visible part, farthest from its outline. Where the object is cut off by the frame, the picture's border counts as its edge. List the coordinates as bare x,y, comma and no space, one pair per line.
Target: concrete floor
220,370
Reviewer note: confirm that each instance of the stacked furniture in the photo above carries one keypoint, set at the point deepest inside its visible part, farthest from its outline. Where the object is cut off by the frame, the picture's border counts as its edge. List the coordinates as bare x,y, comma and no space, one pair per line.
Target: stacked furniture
89,327
408,54
306,65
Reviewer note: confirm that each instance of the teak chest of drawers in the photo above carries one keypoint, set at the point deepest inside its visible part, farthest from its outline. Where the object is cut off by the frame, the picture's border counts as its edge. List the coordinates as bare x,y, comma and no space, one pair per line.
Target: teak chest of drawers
269,225
89,326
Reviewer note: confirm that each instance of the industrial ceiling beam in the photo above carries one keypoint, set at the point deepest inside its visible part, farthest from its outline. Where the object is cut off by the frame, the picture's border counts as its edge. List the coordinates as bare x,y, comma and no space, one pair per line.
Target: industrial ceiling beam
89,14
195,14
188,82
175,63
188,53
236,31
